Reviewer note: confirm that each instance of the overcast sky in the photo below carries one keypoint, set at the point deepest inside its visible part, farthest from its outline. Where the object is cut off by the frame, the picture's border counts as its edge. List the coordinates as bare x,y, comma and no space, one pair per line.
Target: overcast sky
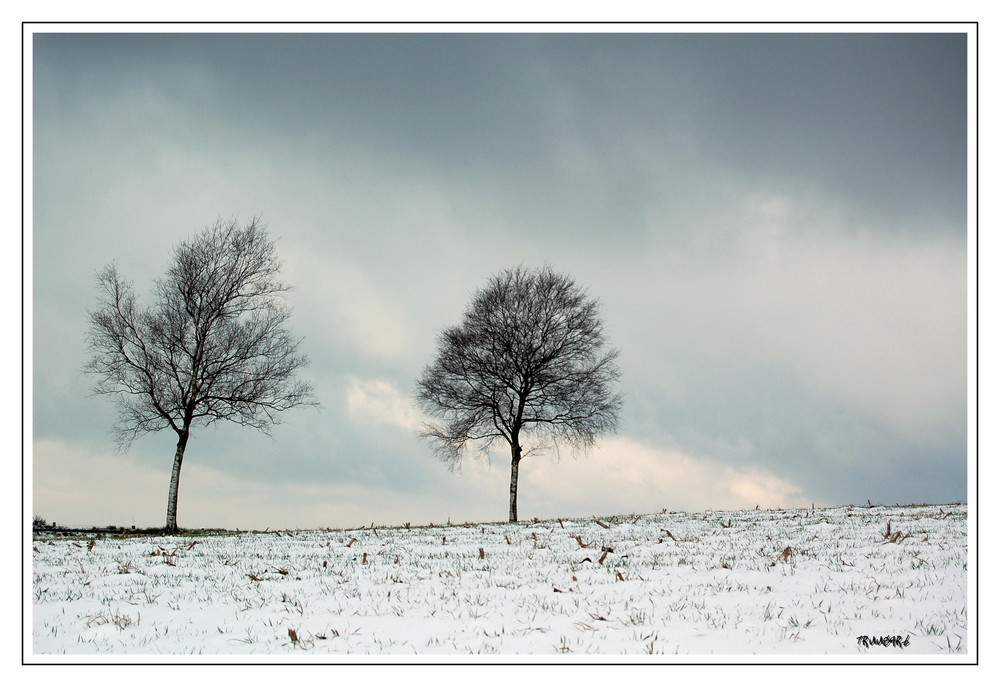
775,225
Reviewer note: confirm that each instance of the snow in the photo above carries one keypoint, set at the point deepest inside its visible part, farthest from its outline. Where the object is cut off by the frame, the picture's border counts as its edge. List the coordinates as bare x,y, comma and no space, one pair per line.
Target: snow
771,584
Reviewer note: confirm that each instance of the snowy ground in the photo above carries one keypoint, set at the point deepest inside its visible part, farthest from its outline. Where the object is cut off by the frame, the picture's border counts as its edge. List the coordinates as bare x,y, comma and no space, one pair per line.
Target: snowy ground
794,582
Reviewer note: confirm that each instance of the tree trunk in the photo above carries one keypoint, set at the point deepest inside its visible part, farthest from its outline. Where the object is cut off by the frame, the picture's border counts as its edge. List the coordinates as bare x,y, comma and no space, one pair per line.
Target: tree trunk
175,478
515,460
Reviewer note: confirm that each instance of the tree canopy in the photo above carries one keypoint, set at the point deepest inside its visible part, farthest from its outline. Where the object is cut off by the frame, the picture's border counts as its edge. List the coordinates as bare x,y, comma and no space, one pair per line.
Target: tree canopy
528,361
212,346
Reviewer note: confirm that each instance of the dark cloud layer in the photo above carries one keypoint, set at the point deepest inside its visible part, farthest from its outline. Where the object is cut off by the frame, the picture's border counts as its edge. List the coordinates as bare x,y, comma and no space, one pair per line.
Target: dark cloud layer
880,118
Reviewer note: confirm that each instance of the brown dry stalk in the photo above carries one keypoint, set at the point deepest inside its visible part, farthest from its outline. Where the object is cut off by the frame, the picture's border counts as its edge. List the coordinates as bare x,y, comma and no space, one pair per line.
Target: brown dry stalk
893,537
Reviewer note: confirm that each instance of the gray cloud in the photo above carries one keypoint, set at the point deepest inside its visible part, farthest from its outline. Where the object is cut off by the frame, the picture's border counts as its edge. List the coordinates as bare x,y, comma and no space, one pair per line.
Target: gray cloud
775,224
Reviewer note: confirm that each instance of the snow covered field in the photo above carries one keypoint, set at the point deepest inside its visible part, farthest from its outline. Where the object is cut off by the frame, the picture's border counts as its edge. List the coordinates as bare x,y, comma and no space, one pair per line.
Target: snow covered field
792,582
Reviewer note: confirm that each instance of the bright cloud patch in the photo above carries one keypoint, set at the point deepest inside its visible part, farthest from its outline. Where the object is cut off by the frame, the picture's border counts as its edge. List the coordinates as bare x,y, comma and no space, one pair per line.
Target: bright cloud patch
625,476
379,402
70,486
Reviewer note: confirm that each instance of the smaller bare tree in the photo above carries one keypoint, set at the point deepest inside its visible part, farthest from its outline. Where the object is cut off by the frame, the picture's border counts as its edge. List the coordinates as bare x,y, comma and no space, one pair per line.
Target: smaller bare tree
528,360
213,346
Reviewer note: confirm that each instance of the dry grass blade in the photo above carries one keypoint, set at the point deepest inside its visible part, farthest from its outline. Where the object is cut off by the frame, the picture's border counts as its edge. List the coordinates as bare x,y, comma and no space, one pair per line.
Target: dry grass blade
604,525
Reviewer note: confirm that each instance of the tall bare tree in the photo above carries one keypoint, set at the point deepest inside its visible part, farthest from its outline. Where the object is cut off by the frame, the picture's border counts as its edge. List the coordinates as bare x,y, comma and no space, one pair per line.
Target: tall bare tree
213,346
529,360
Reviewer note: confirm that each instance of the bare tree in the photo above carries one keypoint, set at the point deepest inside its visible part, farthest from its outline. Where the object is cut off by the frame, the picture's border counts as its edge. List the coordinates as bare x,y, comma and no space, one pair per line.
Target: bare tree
213,346
528,360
